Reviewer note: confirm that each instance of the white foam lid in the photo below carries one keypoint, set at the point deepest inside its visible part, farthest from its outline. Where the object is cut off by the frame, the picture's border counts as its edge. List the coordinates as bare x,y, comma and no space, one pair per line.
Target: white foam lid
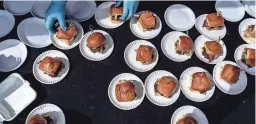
15,95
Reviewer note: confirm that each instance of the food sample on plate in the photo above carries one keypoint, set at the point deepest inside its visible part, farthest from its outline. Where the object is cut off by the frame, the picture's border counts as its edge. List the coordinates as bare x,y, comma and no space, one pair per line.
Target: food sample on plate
250,33
51,66
200,82
96,42
165,86
214,21
115,13
187,120
249,57
125,91
147,21
145,54
41,119
230,73
184,46
67,36
212,50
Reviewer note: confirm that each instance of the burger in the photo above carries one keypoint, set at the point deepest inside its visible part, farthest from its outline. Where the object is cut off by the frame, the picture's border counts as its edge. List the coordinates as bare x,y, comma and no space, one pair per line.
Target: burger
145,54
187,120
51,66
125,91
68,35
214,21
212,50
200,82
115,13
183,46
230,73
96,42
250,33
38,119
147,21
165,86
249,57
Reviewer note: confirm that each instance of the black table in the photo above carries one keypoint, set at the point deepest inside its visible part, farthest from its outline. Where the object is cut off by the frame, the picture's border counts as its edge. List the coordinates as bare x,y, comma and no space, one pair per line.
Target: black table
83,96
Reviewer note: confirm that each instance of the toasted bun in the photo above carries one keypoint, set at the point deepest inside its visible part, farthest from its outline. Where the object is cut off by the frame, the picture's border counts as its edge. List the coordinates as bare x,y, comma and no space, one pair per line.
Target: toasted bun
37,119
250,58
187,120
95,40
215,20
200,82
115,10
230,73
147,20
49,64
185,43
165,86
213,48
125,91
68,35
144,54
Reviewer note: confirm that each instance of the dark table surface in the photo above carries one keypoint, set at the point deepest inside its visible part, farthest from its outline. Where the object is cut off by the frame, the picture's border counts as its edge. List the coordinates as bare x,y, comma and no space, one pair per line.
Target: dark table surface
83,96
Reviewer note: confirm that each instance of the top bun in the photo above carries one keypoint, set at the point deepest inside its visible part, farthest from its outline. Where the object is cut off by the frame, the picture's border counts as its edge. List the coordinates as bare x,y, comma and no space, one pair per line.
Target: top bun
115,10
147,20
215,20
95,40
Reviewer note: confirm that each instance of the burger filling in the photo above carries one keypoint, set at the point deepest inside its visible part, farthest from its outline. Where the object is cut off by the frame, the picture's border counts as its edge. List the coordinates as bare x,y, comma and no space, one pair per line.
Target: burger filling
98,49
211,28
208,56
48,119
181,52
116,17
245,59
56,72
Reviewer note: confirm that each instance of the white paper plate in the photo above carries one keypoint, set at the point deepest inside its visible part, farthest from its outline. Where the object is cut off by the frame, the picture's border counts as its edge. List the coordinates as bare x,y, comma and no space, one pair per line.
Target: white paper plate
238,58
88,54
130,56
39,8
232,10
168,46
18,7
179,17
199,44
80,10
196,113
7,22
139,89
186,81
150,88
33,33
242,27
61,44
51,110
44,78
145,34
13,53
231,89
250,7
211,34
102,16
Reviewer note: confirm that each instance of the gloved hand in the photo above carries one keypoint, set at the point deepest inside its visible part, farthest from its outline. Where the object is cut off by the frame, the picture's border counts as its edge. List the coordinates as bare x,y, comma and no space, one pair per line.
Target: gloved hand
129,8
56,11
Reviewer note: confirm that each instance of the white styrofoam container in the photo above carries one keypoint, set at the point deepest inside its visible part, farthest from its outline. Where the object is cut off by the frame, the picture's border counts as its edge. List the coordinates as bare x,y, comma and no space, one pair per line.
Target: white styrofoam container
15,95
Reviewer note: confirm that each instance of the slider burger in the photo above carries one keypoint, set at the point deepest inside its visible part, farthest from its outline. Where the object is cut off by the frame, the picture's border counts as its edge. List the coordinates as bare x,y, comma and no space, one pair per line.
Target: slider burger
125,91
165,86
250,33
230,73
183,46
115,13
214,21
51,66
38,119
147,21
96,42
187,120
212,50
200,82
68,35
145,54
249,57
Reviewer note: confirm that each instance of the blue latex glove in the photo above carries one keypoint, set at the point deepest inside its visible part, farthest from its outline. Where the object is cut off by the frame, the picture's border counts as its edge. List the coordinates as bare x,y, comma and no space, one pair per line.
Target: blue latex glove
56,11
129,8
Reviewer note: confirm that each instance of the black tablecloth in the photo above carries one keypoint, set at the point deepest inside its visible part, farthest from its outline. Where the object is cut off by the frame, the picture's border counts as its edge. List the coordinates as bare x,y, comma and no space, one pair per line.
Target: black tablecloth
83,96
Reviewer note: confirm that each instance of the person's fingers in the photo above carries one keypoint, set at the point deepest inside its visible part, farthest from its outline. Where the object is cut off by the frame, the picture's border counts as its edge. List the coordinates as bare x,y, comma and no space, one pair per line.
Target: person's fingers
131,13
49,24
125,12
62,22
118,3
